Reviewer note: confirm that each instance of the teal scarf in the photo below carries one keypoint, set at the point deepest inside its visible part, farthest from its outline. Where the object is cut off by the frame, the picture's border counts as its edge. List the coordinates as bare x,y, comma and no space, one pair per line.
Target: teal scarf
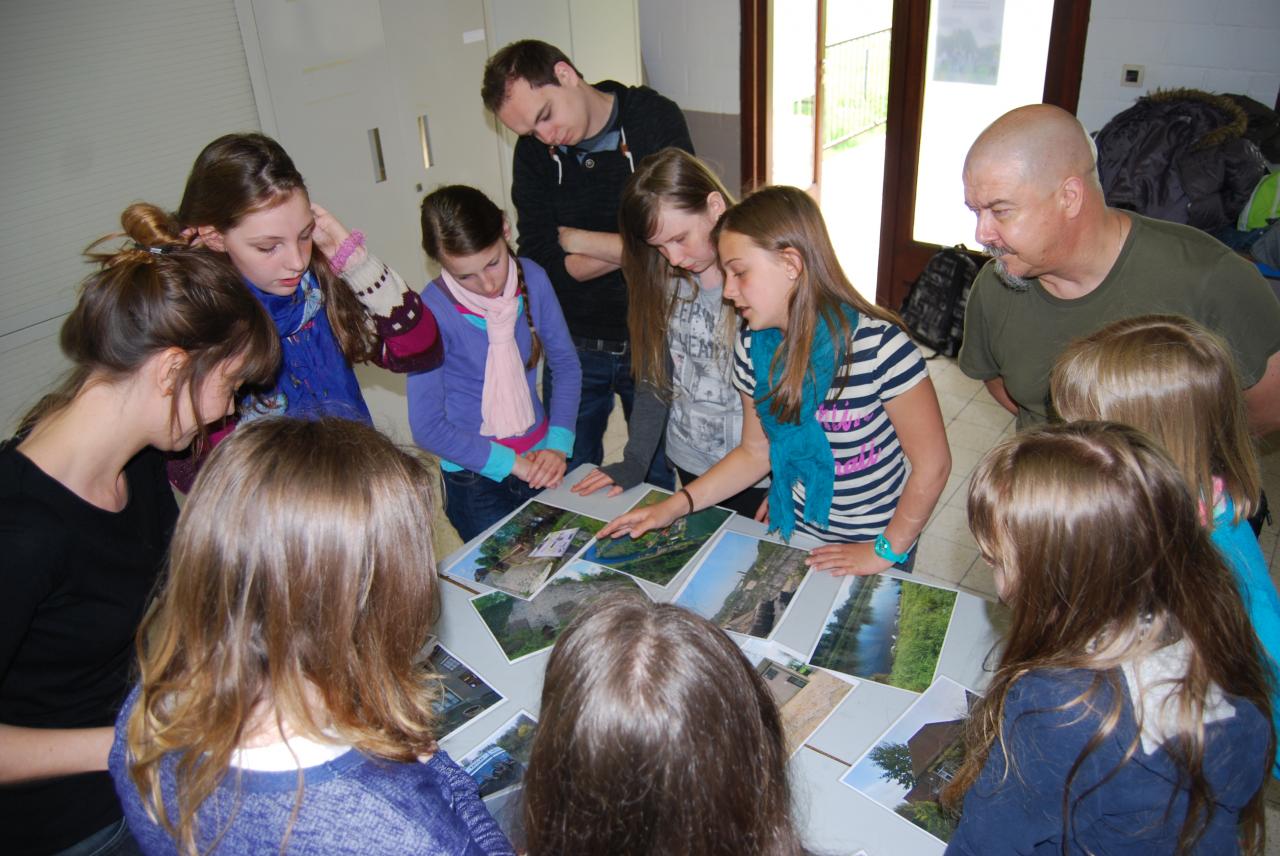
798,451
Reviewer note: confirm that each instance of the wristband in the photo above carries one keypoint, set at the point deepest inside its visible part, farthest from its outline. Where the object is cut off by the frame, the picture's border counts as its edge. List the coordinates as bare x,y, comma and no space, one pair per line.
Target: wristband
689,497
353,242
885,550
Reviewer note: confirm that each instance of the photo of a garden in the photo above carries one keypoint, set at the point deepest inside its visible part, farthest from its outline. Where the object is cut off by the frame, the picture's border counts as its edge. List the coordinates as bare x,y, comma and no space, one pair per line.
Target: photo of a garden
499,763
527,550
886,630
524,627
745,584
910,765
658,556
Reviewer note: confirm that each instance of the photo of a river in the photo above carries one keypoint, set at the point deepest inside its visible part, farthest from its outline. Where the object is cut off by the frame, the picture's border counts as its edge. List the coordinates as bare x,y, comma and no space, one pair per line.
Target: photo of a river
885,629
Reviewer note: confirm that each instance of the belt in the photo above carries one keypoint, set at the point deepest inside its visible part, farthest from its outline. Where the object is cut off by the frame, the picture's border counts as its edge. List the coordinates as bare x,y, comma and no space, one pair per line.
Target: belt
607,346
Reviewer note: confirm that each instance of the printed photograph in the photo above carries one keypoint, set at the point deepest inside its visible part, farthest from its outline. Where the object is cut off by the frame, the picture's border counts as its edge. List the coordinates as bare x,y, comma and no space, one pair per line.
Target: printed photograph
886,630
745,584
658,556
806,697
907,769
498,764
464,695
524,627
527,550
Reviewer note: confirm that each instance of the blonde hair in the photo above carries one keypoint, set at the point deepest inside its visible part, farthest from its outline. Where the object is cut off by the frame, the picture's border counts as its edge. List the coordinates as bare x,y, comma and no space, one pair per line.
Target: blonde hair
677,179
1097,534
1170,377
780,218
301,569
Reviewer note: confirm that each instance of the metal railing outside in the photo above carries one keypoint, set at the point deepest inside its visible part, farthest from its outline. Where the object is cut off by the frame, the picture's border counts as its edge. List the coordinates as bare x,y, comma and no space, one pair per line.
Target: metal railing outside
855,77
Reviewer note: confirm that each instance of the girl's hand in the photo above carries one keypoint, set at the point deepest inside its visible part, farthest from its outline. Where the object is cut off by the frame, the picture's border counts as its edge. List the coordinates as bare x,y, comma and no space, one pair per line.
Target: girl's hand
762,513
641,520
595,480
842,559
546,468
328,233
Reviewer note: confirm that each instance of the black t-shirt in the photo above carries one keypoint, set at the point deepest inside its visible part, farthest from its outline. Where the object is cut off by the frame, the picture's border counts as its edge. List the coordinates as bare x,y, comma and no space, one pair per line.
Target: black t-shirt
74,581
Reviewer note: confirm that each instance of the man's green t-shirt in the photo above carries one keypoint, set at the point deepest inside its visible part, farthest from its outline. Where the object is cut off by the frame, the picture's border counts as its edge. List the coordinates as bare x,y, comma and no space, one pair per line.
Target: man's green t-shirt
1164,268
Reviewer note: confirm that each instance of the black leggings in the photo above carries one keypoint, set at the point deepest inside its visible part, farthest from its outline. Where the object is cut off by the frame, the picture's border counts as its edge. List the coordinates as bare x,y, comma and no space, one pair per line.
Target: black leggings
746,503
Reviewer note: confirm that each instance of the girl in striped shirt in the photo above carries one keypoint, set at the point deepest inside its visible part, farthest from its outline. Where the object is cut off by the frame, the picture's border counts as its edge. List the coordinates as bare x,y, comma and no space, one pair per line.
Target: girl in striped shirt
836,397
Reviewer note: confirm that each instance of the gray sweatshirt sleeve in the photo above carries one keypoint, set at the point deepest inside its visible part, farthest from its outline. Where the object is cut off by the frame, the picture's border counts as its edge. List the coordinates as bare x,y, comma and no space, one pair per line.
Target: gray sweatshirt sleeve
644,432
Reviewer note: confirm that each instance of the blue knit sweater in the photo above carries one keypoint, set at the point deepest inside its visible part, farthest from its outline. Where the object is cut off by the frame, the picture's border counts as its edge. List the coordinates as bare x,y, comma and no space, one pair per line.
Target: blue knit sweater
353,804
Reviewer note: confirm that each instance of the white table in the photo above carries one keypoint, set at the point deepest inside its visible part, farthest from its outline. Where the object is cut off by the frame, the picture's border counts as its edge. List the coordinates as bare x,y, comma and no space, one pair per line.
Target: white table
833,818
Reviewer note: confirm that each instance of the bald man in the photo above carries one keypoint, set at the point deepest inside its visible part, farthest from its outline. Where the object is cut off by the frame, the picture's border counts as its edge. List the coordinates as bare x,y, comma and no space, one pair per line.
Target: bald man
1065,265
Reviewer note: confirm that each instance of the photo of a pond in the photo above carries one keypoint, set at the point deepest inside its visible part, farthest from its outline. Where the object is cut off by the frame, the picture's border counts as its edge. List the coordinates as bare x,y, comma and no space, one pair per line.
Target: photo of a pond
886,630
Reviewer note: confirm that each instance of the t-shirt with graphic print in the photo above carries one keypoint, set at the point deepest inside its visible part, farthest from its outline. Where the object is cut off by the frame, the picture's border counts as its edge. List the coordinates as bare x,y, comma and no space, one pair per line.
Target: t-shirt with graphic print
705,422
870,467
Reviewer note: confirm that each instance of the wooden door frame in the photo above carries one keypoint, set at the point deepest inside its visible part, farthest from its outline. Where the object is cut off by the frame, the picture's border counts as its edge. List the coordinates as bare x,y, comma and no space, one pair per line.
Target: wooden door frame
901,258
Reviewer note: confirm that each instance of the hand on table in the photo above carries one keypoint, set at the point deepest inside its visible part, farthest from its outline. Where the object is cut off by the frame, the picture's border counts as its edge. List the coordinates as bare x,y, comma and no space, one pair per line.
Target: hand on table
762,513
641,520
595,480
842,559
545,468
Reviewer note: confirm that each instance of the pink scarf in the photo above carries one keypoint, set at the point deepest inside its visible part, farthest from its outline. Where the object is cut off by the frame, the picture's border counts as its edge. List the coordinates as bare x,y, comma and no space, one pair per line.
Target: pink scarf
505,407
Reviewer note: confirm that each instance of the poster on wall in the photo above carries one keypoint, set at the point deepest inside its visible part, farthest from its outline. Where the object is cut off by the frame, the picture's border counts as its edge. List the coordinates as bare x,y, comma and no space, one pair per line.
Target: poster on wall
967,49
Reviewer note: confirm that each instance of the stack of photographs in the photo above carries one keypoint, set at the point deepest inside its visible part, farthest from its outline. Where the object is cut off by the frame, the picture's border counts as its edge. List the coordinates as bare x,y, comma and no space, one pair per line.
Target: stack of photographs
907,768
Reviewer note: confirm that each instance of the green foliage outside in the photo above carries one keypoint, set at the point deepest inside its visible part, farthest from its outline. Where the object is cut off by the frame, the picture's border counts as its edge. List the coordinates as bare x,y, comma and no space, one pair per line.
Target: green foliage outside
923,615
894,761
931,817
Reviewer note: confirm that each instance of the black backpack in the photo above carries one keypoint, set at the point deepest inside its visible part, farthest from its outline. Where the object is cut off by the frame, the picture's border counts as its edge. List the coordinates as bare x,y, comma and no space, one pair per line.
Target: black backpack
934,308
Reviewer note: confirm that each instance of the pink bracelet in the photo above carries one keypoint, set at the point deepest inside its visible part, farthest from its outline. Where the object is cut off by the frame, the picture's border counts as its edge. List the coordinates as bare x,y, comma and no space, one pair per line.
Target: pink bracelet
354,241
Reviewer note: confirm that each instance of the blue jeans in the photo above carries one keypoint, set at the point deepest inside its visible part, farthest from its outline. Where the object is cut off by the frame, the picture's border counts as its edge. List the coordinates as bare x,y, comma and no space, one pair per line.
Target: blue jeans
603,374
473,503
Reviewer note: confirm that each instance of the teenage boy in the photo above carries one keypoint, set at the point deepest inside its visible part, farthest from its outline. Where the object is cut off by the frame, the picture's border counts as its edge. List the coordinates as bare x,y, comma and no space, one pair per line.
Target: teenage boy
579,143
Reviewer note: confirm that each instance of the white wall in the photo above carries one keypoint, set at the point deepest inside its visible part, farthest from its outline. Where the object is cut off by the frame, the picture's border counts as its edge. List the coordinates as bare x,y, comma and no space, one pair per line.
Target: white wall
690,52
104,102
1215,45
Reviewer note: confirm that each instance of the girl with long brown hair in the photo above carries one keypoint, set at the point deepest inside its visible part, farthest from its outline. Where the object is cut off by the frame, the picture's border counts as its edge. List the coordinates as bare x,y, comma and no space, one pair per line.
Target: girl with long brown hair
656,736
1129,708
160,339
837,403
245,198
1170,377
681,329
284,704
480,412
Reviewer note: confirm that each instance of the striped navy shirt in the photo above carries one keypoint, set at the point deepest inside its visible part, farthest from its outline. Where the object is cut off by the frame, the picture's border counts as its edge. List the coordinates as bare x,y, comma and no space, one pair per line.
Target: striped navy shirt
871,469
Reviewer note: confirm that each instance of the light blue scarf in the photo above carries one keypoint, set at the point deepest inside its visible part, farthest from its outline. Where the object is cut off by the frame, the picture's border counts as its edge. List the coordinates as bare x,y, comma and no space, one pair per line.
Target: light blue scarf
798,451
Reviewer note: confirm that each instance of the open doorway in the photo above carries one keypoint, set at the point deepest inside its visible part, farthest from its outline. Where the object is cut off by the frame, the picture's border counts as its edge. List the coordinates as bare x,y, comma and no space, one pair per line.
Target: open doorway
871,104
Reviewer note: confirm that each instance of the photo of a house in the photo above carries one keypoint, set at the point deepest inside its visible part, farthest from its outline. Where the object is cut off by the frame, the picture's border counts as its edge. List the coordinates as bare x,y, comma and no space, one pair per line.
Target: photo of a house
499,762
805,696
524,627
745,584
886,630
464,695
658,556
526,550
914,760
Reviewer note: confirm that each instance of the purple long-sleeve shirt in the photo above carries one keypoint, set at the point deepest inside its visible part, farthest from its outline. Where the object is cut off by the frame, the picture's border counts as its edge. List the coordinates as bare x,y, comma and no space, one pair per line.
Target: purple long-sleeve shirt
444,403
